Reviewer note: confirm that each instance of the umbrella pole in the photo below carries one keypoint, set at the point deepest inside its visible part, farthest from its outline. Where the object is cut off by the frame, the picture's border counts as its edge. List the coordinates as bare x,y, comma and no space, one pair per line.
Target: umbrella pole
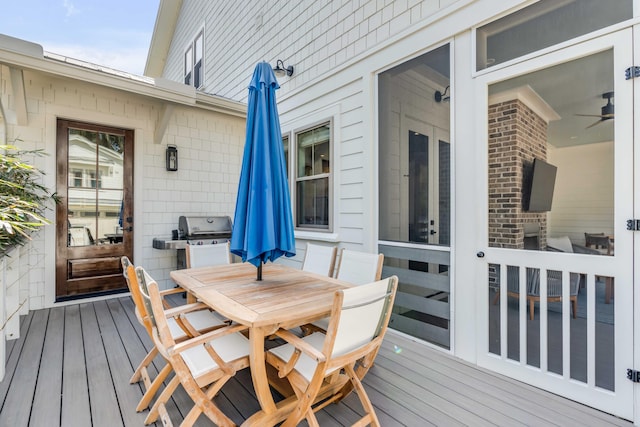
260,271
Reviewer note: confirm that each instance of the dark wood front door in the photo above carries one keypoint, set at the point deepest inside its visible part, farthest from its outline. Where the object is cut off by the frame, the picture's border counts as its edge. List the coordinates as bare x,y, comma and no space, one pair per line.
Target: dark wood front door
94,221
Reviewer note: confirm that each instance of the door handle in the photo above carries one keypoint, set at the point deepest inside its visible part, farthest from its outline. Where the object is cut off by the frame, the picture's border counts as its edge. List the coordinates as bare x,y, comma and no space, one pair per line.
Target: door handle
129,228
480,254
432,232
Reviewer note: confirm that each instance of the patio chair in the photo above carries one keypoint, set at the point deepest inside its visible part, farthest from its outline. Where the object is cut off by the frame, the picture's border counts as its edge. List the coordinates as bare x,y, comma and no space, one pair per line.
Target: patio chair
208,255
325,368
359,267
196,319
354,267
554,288
320,259
598,241
202,364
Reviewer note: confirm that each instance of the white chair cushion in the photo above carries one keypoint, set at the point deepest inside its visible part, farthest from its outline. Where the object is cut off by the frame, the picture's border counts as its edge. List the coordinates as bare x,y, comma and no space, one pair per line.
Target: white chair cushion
229,347
362,307
204,319
200,320
562,243
358,268
208,255
305,366
318,259
322,323
175,329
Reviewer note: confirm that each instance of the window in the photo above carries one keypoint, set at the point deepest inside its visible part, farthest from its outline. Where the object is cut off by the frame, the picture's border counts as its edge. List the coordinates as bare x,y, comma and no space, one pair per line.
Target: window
188,62
193,61
77,178
312,177
285,144
544,24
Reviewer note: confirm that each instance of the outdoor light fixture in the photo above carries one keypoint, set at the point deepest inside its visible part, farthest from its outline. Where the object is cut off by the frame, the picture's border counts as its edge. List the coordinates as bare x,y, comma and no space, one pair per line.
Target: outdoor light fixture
281,70
441,96
172,158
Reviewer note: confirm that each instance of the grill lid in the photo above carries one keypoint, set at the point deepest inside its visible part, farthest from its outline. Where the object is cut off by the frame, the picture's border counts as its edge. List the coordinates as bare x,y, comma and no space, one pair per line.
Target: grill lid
191,226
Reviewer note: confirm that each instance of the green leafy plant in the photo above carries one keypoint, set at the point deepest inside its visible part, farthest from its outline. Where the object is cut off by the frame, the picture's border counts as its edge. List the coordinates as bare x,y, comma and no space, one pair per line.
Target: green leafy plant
22,199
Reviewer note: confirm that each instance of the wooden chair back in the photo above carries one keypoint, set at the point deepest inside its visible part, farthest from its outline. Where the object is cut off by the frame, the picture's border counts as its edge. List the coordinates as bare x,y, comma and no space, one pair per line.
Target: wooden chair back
208,255
359,267
202,364
360,317
143,279
598,241
128,271
359,320
320,259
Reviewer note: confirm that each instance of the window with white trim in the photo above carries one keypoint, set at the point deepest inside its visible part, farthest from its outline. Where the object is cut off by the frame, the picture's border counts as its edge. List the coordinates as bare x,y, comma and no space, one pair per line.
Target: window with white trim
312,177
193,62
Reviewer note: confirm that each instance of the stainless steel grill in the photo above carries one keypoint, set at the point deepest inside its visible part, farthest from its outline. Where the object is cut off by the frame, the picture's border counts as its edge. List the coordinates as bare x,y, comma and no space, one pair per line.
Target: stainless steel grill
195,230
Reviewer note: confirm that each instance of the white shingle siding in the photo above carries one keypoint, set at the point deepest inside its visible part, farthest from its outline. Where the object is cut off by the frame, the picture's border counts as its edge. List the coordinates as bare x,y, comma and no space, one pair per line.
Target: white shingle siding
210,150
314,36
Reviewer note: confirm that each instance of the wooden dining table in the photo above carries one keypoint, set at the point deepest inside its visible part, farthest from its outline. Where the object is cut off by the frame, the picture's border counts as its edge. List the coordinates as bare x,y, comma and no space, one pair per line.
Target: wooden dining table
286,297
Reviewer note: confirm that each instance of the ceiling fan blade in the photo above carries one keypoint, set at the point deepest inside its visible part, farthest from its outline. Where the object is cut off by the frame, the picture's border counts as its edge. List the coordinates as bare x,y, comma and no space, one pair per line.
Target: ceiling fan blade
593,124
589,115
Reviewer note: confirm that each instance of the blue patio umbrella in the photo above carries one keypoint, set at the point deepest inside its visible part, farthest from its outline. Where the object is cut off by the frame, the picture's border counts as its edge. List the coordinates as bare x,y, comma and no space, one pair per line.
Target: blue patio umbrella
263,226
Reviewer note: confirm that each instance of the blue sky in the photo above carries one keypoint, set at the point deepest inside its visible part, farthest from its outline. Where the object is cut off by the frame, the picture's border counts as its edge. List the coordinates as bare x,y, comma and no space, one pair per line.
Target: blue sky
113,33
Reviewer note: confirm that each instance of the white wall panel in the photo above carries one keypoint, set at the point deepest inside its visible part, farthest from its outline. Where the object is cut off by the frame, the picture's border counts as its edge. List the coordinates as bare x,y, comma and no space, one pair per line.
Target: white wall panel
210,150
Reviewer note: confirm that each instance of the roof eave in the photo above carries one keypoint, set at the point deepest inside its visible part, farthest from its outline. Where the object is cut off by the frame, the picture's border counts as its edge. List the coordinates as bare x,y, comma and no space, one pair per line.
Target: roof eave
168,12
20,54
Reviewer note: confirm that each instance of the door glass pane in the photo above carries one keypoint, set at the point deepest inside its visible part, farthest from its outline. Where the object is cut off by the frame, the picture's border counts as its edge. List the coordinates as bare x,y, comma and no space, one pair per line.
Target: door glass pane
544,24
418,187
95,188
81,188
110,194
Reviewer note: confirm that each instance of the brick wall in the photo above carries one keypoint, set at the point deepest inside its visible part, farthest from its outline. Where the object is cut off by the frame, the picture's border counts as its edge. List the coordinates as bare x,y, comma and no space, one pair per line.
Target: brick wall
517,135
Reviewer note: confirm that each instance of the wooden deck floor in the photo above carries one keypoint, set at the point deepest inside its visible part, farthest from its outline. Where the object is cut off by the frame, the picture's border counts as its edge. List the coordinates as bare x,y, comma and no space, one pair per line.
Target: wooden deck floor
71,367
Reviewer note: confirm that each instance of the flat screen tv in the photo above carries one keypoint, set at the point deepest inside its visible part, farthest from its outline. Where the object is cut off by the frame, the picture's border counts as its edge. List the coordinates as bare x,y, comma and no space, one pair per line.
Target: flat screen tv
541,184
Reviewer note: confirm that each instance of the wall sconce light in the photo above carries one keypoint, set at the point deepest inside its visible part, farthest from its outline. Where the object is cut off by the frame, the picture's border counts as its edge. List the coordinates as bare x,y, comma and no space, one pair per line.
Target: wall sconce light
281,70
172,158
441,96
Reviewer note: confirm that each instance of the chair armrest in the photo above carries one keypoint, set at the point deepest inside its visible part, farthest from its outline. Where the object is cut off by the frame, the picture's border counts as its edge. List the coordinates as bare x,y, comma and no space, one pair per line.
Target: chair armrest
171,291
204,338
301,344
183,309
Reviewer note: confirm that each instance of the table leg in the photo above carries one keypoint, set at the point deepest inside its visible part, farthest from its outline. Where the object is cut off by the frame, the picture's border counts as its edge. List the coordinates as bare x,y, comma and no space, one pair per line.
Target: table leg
259,371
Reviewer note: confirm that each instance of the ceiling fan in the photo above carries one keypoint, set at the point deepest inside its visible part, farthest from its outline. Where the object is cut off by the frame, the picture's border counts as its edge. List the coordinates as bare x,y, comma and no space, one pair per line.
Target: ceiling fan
607,111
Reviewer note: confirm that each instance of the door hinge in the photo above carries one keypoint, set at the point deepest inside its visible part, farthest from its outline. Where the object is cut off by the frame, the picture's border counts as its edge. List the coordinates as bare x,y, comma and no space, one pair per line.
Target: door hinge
631,73
633,224
633,375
